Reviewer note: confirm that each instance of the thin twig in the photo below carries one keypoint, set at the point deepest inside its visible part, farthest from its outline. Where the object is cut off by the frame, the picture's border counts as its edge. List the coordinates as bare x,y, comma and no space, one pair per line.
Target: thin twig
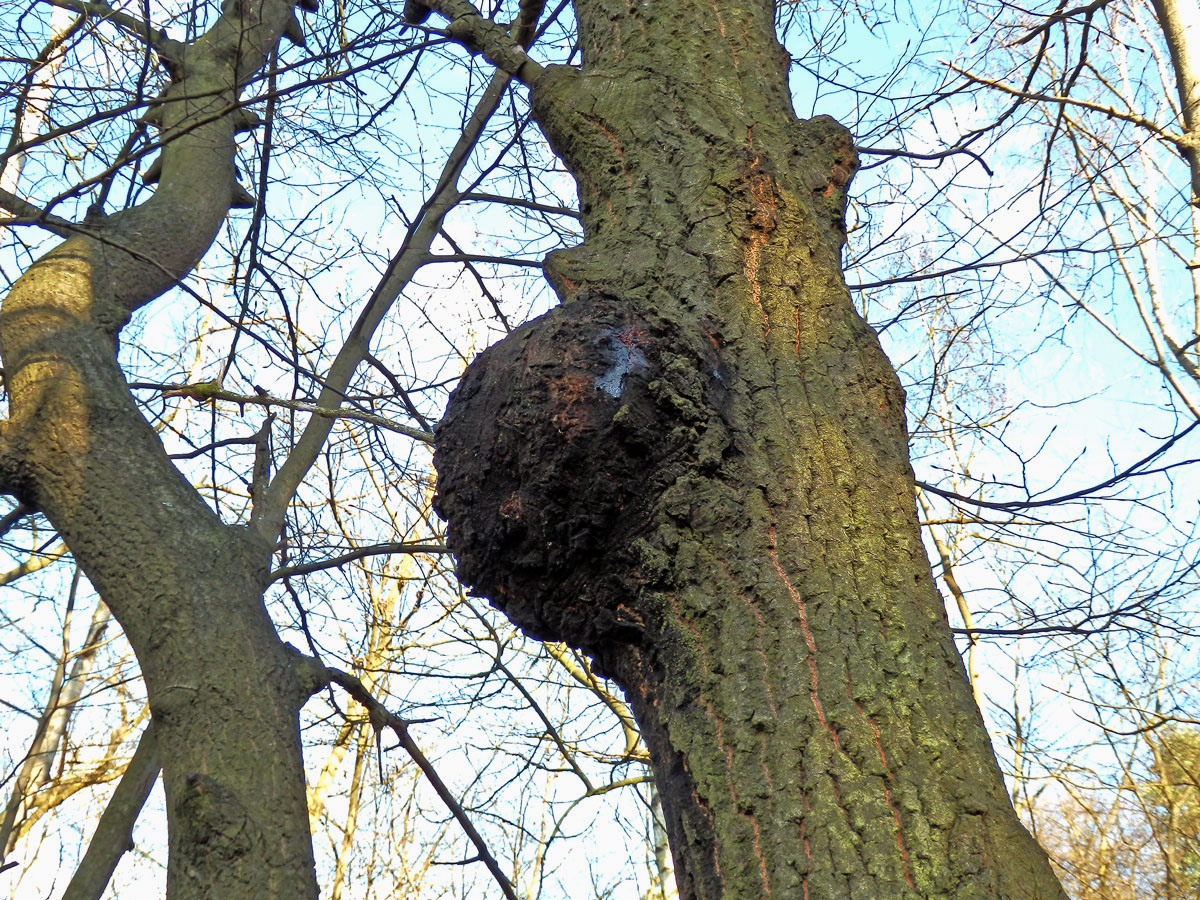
208,390
380,718
1017,505
361,552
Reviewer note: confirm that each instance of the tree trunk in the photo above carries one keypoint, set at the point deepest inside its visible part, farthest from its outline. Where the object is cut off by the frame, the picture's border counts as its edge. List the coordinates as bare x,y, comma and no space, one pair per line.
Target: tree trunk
224,691
696,469
1180,22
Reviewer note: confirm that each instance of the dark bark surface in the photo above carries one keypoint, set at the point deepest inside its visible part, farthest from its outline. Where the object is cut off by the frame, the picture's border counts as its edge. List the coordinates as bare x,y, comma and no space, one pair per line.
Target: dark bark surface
696,469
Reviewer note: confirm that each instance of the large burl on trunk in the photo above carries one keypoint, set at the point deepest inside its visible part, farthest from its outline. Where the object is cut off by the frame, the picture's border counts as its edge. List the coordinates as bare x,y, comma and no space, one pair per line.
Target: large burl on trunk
696,470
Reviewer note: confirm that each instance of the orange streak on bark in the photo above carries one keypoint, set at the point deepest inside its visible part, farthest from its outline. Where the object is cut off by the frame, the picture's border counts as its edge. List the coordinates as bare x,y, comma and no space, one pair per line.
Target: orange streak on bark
762,860
708,812
812,647
762,740
807,852
679,617
721,27
887,791
640,24
762,223
620,152
728,751
887,796
762,627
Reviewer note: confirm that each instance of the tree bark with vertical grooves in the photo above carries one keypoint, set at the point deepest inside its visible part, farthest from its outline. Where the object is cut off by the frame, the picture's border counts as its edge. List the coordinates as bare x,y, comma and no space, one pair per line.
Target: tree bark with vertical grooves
696,469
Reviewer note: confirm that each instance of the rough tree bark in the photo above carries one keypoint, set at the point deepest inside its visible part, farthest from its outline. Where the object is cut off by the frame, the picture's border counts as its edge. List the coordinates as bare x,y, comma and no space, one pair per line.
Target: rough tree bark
696,469
187,589
1180,22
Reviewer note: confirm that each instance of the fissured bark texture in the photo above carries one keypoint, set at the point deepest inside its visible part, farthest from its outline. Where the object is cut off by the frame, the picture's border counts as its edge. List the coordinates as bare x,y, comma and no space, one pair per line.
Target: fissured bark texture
696,470
224,690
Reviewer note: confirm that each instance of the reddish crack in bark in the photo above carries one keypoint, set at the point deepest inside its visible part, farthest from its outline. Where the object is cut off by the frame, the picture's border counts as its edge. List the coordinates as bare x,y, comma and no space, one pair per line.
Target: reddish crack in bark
812,646
762,222
723,746
887,790
616,145
733,52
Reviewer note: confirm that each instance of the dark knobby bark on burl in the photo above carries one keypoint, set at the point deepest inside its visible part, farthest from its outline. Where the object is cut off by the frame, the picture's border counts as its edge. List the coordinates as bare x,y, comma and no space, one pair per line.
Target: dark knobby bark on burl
696,469
224,690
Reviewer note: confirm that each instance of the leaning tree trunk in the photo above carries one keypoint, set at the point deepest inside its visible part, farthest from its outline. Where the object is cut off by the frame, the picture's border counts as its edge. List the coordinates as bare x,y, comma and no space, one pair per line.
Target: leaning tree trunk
696,469
224,690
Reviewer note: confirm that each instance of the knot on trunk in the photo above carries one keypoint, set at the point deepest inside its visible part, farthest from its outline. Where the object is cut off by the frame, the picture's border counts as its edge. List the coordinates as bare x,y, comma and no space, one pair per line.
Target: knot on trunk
214,821
552,459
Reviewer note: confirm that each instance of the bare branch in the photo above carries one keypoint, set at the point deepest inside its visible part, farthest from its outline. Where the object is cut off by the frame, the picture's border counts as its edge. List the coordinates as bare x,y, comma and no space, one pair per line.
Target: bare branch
935,155
1137,468
360,553
31,214
486,37
412,255
1085,9
12,517
114,832
36,562
1178,140
480,197
207,390
381,718
139,28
